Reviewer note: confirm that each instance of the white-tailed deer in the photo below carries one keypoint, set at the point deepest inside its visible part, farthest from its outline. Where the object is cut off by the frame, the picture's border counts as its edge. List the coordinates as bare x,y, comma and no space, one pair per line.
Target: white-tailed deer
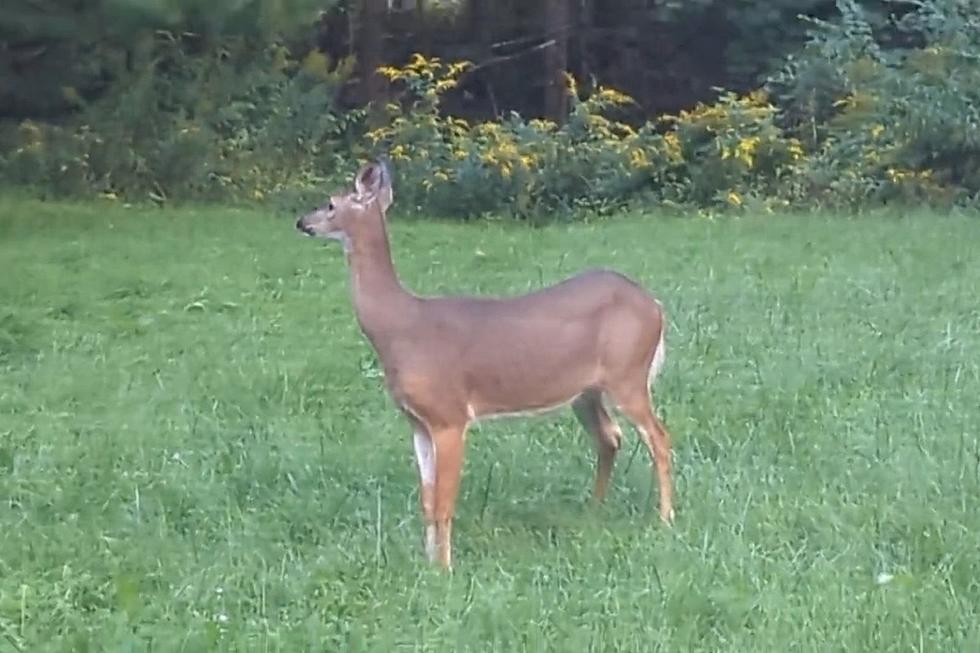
449,361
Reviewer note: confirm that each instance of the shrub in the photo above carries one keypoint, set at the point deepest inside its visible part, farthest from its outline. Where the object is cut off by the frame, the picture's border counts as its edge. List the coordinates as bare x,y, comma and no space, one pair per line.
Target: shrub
862,115
731,149
713,154
889,122
205,129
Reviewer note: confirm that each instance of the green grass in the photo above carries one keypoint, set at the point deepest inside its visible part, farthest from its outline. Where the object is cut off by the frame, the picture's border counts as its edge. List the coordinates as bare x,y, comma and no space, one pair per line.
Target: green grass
196,452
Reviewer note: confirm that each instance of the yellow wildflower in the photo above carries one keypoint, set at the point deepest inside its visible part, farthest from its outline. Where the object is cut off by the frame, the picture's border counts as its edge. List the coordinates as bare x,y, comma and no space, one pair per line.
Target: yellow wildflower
795,149
734,198
638,159
489,128
758,97
612,96
398,153
675,152
390,72
570,84
898,175
376,135
625,131
507,148
419,63
543,125
746,148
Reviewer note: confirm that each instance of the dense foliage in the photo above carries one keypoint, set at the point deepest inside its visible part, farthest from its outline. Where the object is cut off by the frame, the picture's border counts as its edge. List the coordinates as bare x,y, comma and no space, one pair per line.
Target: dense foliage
867,110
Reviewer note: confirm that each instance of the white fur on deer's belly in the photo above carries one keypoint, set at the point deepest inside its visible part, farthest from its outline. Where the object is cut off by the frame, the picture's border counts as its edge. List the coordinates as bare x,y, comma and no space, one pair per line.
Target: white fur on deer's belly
530,412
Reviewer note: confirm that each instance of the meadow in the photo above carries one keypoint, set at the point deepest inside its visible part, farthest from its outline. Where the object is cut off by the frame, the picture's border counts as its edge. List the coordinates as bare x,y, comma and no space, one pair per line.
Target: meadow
196,452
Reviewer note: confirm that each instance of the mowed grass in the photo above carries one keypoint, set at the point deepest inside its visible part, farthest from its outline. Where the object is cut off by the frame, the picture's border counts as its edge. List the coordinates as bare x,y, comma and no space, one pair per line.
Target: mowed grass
197,454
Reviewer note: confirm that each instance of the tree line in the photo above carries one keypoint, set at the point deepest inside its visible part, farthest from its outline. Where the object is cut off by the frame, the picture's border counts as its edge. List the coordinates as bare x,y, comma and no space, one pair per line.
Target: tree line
497,106
56,55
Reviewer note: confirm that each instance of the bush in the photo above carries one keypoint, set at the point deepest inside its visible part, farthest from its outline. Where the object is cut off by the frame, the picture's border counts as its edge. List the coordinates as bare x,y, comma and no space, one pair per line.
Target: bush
203,130
889,123
714,154
732,149
862,115
522,167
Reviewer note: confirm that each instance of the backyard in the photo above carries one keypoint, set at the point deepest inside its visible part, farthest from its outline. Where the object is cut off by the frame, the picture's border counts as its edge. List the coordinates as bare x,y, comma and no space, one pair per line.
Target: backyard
197,454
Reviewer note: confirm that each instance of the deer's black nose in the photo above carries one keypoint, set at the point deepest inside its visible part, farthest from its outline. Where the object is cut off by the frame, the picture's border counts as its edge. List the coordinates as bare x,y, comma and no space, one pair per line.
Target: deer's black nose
305,228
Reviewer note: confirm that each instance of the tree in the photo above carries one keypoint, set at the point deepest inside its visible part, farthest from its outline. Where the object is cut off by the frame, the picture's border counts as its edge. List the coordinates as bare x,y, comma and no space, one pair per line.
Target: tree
557,26
57,54
369,48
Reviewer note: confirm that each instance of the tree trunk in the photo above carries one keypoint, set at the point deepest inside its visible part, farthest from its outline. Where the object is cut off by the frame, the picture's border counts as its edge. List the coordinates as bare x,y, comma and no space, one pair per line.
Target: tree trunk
370,55
422,29
583,20
556,27
481,26
480,15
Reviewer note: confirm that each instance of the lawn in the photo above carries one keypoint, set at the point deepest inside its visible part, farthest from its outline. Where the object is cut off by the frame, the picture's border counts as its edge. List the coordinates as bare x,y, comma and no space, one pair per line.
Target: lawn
196,452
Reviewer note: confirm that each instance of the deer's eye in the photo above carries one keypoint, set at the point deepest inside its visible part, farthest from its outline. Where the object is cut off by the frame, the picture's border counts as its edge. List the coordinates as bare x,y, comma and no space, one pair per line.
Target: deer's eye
330,206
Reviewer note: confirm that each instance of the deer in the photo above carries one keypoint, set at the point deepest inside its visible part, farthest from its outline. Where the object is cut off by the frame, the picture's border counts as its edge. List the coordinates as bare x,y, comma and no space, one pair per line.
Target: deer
592,341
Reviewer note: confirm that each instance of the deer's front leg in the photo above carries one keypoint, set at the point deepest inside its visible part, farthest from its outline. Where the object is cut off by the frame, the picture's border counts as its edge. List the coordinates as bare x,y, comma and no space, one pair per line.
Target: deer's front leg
425,457
449,466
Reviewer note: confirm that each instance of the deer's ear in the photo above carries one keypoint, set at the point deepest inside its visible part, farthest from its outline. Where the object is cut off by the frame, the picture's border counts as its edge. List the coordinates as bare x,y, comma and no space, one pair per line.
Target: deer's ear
366,179
385,194
373,181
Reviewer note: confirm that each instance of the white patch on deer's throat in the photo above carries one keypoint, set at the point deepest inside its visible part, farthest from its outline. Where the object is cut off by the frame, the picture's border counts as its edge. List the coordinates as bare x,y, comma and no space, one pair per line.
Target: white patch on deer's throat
342,237
425,456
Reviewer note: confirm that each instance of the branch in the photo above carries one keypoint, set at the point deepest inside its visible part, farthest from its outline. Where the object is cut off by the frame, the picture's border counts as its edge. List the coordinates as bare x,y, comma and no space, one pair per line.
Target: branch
563,30
493,61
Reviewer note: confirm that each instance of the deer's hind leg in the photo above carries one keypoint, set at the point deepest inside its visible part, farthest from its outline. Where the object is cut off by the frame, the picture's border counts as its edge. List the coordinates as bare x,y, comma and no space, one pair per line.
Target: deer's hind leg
633,400
593,416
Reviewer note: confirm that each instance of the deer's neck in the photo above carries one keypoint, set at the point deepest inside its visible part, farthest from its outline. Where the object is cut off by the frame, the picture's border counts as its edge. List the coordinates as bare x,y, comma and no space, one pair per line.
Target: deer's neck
381,302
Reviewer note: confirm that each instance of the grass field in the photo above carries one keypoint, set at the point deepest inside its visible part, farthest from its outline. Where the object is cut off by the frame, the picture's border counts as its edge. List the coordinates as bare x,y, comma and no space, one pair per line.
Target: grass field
196,452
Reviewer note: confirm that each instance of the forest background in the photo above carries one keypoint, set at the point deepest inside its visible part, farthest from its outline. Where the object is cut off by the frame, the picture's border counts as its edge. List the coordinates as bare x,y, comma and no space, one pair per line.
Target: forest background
530,109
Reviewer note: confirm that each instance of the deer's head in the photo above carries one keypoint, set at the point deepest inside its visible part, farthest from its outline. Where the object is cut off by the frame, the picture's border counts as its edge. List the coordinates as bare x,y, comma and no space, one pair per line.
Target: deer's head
344,214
